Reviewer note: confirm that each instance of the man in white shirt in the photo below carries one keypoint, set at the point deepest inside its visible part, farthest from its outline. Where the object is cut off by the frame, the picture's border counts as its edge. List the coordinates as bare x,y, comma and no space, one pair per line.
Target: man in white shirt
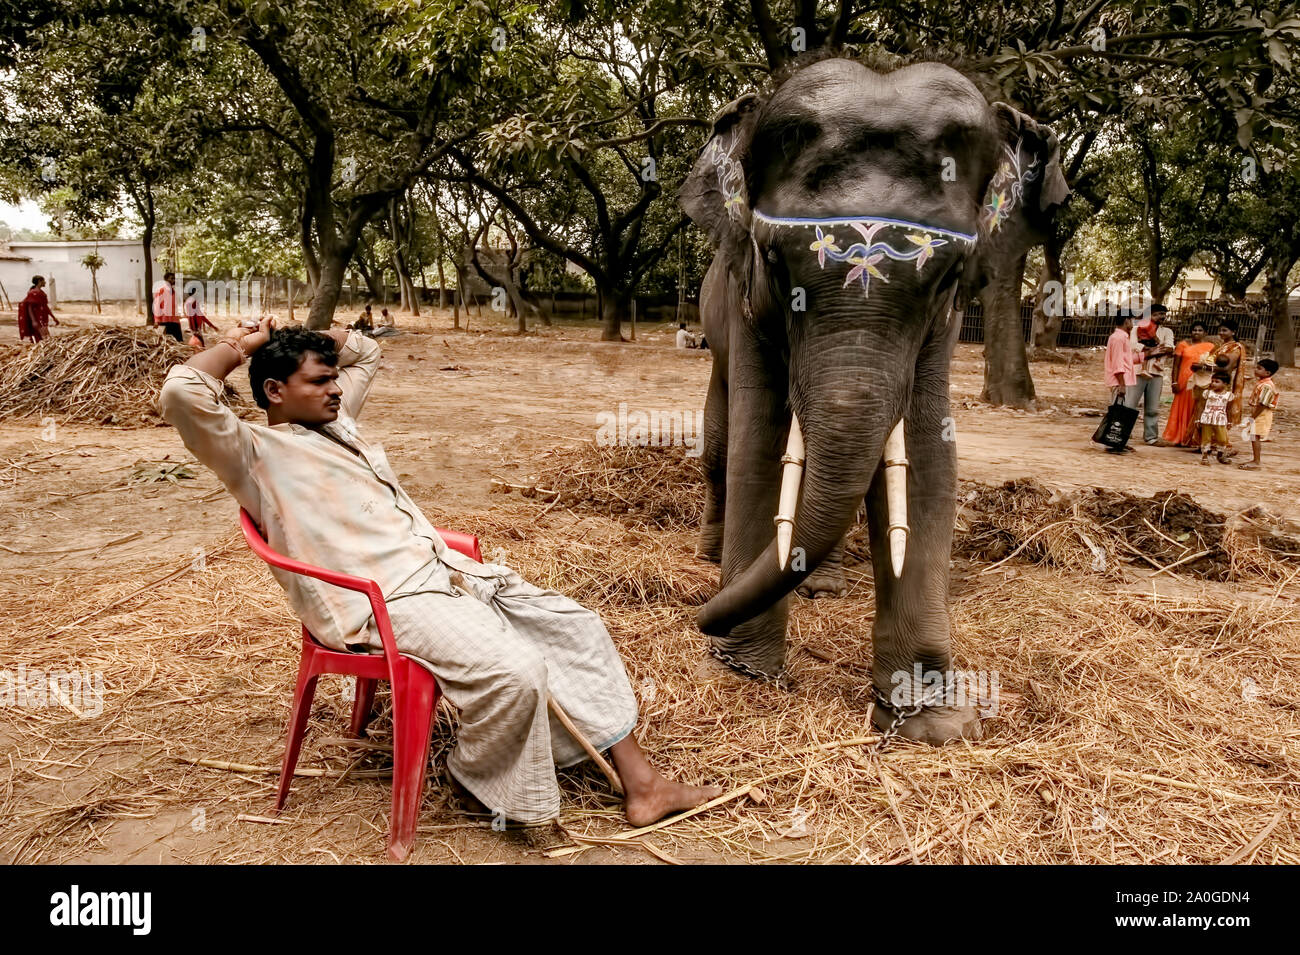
1153,343
498,645
684,338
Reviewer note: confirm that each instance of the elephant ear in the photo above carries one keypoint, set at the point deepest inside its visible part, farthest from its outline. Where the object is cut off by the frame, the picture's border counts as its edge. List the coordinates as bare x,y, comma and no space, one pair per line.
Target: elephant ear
715,194
1028,185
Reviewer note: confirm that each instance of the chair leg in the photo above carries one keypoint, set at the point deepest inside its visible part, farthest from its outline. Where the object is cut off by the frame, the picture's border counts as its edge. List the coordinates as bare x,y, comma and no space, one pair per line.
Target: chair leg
365,702
302,700
414,696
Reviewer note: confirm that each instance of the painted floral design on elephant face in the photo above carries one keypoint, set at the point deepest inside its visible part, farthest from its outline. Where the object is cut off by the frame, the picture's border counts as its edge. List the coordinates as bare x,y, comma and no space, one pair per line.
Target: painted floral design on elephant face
867,255
1007,188
731,177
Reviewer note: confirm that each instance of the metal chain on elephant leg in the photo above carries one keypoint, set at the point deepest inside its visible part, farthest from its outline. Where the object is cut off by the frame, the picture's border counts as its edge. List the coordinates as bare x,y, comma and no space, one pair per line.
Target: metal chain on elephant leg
781,680
901,715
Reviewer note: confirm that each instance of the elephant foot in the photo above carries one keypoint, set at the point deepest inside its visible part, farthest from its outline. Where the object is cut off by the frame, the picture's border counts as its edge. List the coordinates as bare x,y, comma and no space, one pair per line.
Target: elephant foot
934,725
824,583
709,546
723,661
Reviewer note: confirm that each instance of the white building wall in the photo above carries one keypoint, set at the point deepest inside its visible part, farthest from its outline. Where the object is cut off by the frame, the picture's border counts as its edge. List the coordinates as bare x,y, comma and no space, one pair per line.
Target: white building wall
122,272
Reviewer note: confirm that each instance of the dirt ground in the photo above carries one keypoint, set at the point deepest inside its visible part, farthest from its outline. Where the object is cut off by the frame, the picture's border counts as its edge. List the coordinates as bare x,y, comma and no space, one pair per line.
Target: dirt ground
453,410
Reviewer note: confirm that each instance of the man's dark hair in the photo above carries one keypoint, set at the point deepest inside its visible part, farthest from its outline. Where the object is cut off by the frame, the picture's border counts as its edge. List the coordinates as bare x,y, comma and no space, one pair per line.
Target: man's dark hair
1121,318
1269,365
1222,376
279,358
1158,309
168,275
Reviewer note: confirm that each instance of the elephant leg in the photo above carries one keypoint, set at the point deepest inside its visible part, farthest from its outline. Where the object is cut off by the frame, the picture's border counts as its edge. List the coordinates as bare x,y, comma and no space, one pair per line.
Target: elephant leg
758,425
912,624
828,579
714,462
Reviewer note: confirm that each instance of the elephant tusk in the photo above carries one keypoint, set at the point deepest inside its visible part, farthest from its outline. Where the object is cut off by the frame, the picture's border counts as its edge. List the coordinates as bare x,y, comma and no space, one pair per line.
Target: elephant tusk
791,478
896,496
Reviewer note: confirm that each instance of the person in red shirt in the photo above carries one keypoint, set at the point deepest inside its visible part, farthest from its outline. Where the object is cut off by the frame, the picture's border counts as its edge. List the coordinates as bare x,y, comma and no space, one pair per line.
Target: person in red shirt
195,317
34,313
164,307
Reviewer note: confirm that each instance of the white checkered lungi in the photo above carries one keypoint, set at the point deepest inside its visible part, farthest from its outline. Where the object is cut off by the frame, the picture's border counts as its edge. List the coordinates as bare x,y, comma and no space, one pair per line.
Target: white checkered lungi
496,650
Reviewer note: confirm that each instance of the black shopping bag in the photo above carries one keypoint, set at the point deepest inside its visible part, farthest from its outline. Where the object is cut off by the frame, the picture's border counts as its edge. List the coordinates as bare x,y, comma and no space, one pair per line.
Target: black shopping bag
1116,427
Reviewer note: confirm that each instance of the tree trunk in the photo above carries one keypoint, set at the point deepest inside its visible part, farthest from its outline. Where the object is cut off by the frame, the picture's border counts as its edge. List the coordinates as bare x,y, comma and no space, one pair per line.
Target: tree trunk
328,288
1006,368
1279,267
368,275
147,242
309,261
442,286
1047,327
614,307
404,282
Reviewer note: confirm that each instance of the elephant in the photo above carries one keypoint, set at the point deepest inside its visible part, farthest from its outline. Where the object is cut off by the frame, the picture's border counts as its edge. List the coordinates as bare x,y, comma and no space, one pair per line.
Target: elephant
853,213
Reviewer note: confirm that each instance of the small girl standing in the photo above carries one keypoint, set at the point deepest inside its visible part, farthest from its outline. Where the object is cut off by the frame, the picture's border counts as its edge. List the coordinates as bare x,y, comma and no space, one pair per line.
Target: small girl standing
1214,418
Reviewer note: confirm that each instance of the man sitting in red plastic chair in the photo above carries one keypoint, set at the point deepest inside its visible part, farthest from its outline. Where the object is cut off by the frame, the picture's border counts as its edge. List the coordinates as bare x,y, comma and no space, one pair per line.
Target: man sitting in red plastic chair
498,645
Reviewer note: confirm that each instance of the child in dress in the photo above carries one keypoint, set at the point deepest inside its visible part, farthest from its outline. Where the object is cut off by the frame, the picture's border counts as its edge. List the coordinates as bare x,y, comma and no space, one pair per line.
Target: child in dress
1214,418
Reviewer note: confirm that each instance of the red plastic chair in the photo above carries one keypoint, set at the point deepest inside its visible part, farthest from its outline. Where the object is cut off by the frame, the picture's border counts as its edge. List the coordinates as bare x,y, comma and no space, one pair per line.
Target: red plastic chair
415,693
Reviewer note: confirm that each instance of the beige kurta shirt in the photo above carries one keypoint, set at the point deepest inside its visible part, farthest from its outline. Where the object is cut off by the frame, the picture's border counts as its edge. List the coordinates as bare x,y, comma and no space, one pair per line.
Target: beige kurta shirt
319,502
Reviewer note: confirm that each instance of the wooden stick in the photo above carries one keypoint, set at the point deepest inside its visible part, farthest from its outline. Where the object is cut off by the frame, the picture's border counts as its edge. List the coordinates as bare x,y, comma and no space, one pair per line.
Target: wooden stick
298,771
1181,784
268,820
1177,563
585,743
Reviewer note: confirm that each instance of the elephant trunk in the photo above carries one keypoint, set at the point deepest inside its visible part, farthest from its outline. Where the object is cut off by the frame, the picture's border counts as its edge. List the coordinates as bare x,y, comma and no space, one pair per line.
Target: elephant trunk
847,409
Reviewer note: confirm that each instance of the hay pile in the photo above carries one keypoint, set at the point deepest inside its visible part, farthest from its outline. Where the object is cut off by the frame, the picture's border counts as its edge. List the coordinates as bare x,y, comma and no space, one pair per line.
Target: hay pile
101,375
1098,530
641,487
1095,530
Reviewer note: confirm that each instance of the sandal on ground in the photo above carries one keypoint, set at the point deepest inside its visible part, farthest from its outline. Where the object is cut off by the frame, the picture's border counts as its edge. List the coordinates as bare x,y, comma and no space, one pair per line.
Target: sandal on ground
1248,466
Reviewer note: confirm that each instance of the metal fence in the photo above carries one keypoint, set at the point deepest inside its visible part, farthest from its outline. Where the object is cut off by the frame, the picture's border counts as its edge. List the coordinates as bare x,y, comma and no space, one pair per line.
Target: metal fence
1254,325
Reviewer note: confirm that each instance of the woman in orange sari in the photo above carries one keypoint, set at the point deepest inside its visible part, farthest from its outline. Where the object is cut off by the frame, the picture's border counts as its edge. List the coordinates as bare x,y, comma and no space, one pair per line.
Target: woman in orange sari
1188,353
1235,352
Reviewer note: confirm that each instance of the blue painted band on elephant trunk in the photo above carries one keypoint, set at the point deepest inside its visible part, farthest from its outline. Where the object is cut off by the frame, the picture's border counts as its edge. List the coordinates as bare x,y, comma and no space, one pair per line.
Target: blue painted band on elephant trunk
866,255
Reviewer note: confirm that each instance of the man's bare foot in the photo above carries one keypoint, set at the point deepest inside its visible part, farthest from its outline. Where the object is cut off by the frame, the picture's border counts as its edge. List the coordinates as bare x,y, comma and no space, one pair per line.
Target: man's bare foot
664,798
649,796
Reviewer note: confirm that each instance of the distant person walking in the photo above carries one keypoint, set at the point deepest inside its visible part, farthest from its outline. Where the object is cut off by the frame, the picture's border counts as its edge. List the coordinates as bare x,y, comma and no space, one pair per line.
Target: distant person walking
195,317
34,313
1121,375
164,307
1153,343
1191,350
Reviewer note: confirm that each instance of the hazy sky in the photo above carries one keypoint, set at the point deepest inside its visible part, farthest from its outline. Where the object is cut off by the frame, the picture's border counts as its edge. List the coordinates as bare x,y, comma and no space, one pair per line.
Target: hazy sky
26,215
